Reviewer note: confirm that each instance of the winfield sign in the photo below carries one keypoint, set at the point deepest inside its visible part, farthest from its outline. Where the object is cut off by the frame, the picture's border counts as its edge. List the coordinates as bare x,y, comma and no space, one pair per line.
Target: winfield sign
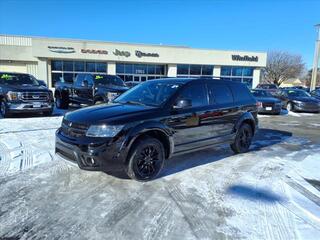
61,49
94,51
245,58
140,54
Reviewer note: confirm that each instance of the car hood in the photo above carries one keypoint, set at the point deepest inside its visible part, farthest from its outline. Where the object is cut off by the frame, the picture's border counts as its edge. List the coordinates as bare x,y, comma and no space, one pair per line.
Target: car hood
24,88
305,99
109,113
267,99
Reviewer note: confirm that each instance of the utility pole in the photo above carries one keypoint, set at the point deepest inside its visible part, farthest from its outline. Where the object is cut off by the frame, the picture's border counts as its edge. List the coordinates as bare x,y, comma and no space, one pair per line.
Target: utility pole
315,60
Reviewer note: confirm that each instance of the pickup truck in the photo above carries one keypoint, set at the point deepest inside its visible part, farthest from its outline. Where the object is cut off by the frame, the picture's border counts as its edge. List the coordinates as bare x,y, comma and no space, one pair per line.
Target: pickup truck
23,93
89,89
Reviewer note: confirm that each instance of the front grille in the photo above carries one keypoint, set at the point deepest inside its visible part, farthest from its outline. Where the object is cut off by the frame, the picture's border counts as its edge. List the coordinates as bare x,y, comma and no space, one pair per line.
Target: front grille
73,129
267,105
35,96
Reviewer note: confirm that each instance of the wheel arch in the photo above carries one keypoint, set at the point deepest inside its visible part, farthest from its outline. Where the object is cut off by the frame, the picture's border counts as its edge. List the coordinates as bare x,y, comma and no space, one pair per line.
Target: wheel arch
154,130
246,118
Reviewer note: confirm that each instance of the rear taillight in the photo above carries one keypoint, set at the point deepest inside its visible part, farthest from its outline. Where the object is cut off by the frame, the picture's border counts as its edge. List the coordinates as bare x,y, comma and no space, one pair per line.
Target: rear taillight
259,104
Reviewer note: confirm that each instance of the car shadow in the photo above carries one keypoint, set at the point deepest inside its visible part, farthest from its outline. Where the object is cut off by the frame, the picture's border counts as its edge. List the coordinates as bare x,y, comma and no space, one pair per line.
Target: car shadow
264,138
254,193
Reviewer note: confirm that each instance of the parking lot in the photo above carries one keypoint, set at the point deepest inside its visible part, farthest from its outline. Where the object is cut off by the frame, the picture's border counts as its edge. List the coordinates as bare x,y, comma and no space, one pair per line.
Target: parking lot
272,192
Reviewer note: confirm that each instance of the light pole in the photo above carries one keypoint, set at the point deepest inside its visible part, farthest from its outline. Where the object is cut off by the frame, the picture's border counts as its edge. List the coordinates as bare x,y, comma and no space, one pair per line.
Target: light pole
315,60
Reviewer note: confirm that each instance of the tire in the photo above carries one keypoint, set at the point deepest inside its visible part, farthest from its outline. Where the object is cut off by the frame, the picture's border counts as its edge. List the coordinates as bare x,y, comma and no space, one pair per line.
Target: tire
243,139
146,159
61,102
290,107
48,113
4,110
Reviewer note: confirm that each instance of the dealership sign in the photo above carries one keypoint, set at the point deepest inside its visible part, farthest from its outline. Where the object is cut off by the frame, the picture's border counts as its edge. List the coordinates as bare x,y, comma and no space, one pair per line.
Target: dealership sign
61,49
117,52
245,58
140,54
94,51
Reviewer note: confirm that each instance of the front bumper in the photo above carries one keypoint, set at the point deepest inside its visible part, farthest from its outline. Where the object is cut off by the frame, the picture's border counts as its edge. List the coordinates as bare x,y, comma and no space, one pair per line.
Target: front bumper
102,154
306,107
30,107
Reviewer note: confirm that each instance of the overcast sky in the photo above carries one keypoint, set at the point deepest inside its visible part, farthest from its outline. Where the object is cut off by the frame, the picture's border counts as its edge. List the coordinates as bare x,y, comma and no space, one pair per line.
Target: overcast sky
257,25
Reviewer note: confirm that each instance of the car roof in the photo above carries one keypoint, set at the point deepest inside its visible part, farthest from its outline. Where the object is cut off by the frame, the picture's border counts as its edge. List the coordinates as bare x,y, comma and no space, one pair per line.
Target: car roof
195,79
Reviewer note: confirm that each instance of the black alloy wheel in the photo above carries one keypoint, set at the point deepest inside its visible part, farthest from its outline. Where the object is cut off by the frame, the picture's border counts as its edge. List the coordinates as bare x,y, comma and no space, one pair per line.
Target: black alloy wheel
243,139
146,159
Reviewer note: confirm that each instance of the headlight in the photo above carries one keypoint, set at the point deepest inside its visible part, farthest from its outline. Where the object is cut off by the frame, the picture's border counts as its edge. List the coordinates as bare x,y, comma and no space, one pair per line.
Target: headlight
103,130
12,96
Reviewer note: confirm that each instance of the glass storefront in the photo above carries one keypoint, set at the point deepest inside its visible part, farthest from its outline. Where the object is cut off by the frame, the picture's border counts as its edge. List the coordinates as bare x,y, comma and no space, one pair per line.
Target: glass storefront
66,71
188,70
140,72
240,74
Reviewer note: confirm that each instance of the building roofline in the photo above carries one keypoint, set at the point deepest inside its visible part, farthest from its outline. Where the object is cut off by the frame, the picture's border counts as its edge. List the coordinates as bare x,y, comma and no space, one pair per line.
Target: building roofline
126,43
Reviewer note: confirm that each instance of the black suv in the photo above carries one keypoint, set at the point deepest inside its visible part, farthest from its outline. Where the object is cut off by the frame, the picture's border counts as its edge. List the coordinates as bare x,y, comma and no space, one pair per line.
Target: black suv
89,89
155,120
23,93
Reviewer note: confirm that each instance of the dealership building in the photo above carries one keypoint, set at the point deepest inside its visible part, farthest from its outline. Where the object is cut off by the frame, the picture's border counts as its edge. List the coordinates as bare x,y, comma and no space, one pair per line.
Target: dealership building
51,60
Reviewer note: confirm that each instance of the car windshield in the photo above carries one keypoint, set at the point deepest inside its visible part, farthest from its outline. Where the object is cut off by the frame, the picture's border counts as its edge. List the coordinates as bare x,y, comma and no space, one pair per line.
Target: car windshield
153,93
260,93
298,93
18,79
107,79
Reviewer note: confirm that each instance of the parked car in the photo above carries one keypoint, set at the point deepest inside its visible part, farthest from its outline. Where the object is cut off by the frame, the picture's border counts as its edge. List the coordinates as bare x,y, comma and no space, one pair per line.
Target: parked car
22,93
89,89
299,100
271,88
316,93
269,104
155,120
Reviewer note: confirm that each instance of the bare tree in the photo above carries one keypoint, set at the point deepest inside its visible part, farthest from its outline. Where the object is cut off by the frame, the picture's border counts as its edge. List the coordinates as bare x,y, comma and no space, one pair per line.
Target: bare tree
282,66
307,78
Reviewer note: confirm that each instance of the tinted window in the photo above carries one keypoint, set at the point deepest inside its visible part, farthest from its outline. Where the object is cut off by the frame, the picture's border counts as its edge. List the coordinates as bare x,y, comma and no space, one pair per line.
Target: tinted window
90,67
182,69
79,79
68,66
79,66
152,93
195,69
196,93
225,71
68,77
219,93
18,79
207,70
241,92
101,67
89,78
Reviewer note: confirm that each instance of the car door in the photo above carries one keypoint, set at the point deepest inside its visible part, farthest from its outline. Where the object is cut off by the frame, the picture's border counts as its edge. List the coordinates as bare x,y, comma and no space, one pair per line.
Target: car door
223,112
188,123
82,88
76,90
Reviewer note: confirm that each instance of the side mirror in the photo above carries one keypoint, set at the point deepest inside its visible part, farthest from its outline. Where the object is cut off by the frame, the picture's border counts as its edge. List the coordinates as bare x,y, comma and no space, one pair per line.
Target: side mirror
182,103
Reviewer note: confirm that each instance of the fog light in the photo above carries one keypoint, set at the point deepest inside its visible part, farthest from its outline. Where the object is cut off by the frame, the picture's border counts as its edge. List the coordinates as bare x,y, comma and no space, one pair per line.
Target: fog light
90,162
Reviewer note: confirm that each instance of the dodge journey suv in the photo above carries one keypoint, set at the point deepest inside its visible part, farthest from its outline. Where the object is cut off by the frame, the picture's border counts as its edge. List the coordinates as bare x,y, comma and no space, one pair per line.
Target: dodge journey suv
155,120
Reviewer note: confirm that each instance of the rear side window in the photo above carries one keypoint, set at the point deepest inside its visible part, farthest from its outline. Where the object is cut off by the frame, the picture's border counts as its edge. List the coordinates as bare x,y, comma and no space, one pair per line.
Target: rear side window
219,94
196,93
241,93
79,79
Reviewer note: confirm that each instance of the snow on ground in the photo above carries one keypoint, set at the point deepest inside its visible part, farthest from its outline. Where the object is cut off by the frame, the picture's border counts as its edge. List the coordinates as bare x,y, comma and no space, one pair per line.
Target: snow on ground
271,192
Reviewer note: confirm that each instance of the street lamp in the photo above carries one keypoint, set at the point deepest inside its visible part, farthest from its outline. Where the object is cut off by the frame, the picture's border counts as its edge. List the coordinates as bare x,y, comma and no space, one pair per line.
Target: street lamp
315,60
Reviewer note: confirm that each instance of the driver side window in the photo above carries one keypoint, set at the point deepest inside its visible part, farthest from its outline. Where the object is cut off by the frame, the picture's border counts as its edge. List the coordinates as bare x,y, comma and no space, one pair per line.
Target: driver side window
196,93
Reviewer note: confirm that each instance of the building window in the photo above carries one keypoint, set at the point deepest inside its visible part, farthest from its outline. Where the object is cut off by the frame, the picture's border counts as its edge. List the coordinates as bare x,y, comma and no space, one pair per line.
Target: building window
238,74
139,72
188,70
66,71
